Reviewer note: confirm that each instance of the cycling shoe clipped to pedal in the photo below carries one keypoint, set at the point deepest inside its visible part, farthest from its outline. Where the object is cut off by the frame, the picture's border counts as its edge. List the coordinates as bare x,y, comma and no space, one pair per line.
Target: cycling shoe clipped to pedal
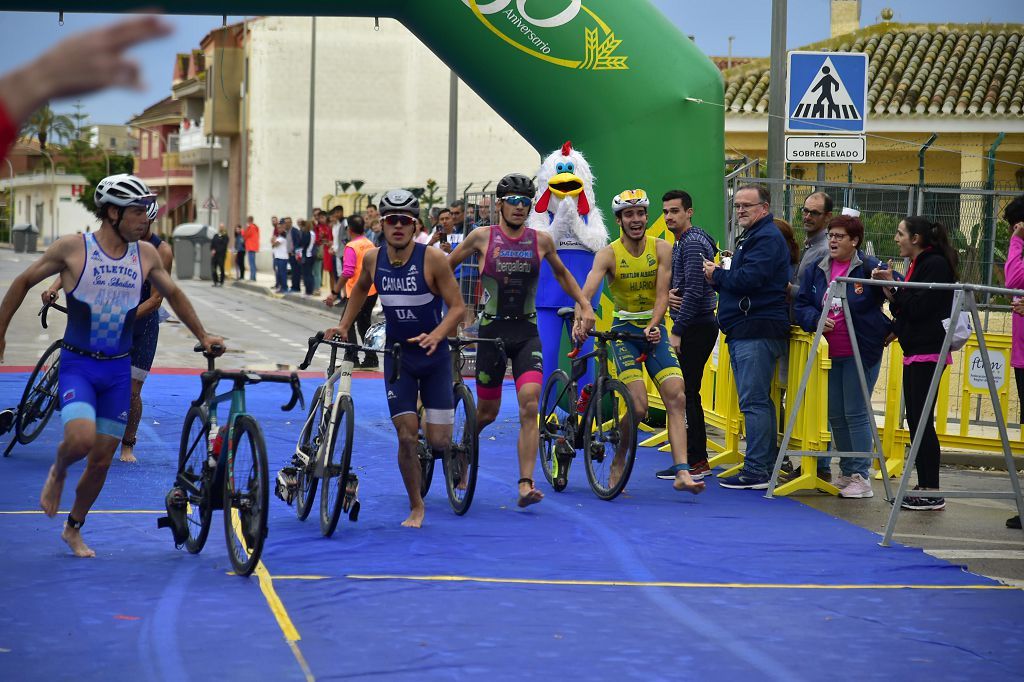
7,418
287,484
176,519
350,504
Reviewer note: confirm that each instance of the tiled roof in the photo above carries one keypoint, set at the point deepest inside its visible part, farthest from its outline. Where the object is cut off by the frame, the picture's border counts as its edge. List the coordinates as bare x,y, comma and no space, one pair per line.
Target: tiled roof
955,69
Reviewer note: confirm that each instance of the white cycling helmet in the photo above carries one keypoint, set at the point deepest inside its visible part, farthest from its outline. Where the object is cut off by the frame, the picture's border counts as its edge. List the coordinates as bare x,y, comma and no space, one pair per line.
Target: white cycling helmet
123,190
630,198
152,211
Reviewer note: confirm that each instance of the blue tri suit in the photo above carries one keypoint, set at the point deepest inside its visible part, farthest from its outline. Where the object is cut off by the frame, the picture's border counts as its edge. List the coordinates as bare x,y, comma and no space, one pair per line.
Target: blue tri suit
411,309
95,363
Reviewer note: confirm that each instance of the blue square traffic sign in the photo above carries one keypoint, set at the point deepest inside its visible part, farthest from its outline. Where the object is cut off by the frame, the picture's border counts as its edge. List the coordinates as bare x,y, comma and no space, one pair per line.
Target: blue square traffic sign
827,92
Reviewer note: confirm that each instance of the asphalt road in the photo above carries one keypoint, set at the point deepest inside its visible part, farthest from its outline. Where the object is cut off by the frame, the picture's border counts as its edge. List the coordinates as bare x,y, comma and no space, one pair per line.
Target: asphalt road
264,331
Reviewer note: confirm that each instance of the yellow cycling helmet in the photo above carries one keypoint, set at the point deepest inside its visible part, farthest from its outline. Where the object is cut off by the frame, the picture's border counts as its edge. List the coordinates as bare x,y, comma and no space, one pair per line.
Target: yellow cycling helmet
630,198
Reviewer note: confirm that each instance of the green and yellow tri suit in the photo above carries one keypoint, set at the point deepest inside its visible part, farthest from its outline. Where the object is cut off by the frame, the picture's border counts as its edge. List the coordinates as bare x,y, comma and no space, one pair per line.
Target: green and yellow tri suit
633,291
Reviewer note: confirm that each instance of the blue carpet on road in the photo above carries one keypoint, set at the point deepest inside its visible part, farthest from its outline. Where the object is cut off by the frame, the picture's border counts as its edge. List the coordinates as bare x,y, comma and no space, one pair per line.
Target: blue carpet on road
760,607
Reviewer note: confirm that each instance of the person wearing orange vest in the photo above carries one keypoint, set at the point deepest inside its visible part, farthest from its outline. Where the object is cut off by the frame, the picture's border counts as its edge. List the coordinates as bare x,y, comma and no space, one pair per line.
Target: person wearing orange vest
251,236
352,265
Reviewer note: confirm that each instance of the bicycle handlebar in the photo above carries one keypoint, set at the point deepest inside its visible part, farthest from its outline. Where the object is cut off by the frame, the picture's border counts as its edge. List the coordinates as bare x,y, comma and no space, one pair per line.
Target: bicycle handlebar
46,309
214,375
395,352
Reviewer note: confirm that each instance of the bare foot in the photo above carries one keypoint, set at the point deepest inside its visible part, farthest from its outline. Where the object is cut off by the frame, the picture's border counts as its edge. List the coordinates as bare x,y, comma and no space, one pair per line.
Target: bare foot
127,455
415,519
49,500
529,495
73,537
684,482
615,470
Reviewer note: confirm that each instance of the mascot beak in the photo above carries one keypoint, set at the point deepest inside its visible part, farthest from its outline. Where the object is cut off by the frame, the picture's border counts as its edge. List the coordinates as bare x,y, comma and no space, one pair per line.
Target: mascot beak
565,185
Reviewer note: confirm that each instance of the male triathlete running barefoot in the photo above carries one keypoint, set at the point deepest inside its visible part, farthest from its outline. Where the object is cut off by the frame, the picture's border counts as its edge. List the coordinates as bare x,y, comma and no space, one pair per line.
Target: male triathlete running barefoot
412,281
103,274
639,268
510,257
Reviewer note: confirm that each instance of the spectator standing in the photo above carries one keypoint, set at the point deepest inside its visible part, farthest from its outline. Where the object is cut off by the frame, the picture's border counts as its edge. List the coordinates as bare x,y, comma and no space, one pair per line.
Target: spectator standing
324,257
371,218
239,253
1014,215
754,316
294,235
305,255
352,266
817,212
918,325
218,254
279,249
849,418
692,303
443,230
252,245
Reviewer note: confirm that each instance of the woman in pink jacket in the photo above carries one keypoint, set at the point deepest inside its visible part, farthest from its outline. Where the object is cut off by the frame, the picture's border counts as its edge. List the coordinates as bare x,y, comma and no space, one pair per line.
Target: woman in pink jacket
1014,214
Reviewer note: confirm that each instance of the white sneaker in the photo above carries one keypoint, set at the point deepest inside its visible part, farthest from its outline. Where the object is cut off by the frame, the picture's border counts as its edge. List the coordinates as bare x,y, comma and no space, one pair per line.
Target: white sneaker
843,481
858,487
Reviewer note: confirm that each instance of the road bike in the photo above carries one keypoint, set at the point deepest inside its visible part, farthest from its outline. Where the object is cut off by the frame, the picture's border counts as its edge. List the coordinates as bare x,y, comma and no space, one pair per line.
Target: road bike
39,399
462,456
319,457
604,425
224,468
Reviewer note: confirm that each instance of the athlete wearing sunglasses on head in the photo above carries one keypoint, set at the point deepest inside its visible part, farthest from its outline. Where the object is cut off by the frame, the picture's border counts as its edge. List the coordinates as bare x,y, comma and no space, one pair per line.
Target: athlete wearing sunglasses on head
510,257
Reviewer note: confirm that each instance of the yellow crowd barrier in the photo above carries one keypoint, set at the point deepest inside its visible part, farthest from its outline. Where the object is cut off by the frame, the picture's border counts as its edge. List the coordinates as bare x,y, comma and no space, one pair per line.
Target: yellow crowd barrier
721,406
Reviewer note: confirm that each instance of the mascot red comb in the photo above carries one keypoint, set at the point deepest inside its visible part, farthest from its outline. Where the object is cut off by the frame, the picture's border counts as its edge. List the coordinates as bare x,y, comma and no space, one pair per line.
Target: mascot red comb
567,209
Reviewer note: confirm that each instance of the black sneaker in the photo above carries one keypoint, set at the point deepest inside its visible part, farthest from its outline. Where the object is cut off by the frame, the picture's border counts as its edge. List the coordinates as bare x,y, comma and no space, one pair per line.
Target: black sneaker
697,472
6,420
1013,522
923,503
743,481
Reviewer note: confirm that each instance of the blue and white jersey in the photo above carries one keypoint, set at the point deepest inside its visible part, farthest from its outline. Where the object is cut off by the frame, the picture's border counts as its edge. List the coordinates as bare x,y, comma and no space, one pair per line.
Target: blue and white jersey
101,308
410,307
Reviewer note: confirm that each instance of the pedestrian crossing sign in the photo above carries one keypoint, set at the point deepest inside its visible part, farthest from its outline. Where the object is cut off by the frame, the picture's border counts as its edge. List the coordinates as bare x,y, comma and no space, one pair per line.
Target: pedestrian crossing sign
827,92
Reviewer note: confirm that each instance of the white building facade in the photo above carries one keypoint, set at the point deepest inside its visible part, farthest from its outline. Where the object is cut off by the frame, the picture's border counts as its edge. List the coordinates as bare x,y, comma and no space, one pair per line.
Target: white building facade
50,203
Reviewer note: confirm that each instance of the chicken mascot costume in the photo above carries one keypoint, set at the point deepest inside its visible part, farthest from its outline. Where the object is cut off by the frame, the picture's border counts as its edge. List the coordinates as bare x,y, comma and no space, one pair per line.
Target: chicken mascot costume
565,208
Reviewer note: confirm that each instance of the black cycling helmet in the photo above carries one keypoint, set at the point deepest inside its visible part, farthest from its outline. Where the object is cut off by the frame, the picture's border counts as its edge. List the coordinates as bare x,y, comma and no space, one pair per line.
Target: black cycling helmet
516,184
399,201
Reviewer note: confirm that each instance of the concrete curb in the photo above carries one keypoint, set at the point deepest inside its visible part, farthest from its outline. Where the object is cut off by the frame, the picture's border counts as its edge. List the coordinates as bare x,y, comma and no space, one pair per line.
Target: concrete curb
298,299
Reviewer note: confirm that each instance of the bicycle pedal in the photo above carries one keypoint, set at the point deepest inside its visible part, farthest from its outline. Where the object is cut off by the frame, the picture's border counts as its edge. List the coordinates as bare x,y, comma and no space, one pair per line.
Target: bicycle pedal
175,502
353,514
286,485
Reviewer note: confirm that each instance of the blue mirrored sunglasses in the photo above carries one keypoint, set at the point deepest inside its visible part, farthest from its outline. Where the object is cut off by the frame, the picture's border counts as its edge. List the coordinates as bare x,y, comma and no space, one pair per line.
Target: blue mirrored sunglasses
518,200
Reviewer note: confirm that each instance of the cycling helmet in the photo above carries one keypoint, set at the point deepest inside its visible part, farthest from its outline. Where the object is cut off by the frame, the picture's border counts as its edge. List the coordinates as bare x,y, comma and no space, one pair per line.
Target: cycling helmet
399,201
123,190
630,198
516,184
152,211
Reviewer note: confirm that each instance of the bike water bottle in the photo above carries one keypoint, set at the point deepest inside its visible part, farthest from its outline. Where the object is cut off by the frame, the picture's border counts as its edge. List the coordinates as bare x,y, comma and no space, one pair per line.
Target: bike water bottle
218,441
584,401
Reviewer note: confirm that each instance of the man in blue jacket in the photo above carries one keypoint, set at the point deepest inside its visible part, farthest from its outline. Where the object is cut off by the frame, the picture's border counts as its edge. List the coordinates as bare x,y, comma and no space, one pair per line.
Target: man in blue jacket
754,316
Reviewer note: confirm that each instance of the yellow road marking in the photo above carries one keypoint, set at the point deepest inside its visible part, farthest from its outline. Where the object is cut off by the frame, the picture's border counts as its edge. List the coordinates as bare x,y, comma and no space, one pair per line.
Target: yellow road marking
284,621
631,583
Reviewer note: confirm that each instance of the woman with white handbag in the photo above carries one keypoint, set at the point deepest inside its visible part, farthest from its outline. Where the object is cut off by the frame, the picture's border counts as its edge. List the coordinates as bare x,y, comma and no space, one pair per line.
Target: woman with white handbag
918,323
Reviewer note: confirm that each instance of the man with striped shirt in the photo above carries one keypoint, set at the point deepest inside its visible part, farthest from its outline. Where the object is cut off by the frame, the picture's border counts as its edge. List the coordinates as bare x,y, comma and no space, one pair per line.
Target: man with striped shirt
691,302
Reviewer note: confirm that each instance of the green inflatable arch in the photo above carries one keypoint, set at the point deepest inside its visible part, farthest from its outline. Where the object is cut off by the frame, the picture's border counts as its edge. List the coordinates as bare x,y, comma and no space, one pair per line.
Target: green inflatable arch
611,75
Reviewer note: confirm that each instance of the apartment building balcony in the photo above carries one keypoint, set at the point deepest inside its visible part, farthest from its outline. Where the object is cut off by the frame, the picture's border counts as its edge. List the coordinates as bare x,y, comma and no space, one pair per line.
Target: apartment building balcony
194,147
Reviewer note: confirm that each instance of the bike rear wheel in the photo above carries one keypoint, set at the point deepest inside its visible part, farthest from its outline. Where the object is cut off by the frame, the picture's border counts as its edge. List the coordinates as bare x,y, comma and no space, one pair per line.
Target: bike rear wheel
309,445
336,467
460,466
609,439
554,425
39,399
195,477
246,496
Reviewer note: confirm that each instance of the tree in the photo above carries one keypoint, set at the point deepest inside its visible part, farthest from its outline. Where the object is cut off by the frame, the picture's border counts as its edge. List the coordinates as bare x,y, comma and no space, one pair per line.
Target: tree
79,153
44,124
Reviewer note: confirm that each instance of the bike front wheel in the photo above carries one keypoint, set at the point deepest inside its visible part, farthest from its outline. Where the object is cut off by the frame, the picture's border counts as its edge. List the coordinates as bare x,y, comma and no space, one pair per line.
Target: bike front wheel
39,399
195,478
246,496
553,430
609,439
460,465
309,446
336,468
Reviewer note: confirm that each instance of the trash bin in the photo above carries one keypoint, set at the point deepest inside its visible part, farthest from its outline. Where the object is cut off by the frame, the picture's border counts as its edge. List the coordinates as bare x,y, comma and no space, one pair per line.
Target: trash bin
24,236
192,242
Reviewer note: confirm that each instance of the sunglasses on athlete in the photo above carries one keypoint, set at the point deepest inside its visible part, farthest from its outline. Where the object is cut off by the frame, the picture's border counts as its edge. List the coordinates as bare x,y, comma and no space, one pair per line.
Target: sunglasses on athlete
393,219
518,200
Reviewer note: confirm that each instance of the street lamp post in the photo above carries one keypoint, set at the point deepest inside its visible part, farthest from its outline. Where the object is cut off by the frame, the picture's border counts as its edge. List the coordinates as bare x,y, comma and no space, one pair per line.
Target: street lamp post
167,171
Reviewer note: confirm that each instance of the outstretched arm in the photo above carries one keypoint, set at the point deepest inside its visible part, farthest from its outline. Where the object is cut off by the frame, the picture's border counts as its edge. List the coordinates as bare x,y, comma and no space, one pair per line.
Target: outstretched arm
52,262
475,241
